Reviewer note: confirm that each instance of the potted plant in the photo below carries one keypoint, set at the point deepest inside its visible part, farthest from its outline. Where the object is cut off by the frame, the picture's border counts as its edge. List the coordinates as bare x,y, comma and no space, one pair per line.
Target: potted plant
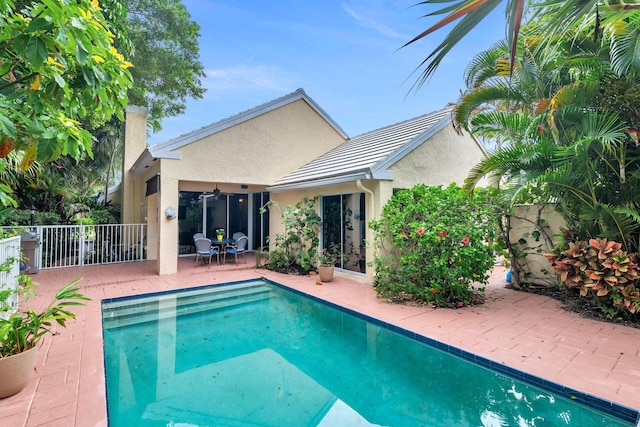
21,331
220,233
327,260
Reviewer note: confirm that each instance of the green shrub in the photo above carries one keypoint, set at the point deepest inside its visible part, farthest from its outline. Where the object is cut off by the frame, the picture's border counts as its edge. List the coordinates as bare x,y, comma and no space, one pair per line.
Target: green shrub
83,221
278,261
296,250
433,243
103,215
21,217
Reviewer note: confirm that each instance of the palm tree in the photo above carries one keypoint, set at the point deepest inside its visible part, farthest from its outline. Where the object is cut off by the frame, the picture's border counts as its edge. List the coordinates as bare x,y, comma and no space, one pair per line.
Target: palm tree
107,154
543,77
569,119
559,16
16,175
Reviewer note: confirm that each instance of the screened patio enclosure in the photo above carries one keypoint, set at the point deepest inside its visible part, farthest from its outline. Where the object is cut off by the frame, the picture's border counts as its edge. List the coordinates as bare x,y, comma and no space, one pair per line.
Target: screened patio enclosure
205,213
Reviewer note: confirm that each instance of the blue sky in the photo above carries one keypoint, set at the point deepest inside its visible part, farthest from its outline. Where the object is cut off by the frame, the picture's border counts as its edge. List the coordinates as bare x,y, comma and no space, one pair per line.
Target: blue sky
344,54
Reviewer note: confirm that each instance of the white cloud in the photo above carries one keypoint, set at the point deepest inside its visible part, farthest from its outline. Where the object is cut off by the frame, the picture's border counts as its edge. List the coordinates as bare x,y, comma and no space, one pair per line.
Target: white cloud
372,24
244,77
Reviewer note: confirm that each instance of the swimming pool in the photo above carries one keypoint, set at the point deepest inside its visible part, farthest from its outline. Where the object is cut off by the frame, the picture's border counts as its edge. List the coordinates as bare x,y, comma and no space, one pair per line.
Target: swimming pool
256,353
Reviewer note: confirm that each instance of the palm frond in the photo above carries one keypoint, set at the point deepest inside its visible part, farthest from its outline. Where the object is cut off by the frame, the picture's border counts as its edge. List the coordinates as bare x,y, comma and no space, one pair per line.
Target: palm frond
631,210
472,13
562,184
579,93
625,47
605,129
11,170
471,100
610,221
515,9
508,164
516,128
482,66
557,16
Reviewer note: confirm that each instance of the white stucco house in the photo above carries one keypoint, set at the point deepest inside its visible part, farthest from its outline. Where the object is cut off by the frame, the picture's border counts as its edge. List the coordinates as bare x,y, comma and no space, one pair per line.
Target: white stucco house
285,150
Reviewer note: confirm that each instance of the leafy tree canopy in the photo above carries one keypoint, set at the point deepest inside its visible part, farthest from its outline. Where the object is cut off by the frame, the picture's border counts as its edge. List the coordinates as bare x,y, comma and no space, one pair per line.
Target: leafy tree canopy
166,56
58,66
161,41
167,70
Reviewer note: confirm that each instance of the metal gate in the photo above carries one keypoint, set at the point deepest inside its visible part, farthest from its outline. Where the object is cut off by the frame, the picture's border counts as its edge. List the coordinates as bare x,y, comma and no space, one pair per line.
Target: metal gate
79,245
10,257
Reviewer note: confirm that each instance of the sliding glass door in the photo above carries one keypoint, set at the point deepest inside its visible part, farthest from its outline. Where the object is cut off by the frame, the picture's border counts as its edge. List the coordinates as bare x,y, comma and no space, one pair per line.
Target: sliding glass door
189,220
343,224
229,212
205,213
260,220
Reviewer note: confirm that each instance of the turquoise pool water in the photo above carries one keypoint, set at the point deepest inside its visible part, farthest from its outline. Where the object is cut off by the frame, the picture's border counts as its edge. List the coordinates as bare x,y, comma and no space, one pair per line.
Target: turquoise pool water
257,354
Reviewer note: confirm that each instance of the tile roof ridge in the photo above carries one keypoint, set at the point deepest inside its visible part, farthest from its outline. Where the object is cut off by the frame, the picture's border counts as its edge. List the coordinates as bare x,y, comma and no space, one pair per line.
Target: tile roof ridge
421,116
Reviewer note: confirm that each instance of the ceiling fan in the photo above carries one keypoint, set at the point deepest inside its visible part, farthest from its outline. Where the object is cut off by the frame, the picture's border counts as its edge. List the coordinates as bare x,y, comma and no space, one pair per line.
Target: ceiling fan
217,193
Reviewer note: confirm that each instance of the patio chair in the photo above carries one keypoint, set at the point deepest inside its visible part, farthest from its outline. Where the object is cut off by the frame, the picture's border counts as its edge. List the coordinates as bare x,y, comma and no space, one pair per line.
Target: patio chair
195,237
239,248
204,250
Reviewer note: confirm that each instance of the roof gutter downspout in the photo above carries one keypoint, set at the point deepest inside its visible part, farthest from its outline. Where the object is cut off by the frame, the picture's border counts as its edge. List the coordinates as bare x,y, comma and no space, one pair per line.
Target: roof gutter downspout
369,251
371,196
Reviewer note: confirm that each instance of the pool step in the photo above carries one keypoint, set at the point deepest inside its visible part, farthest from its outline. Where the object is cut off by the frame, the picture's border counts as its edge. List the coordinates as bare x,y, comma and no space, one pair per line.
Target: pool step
138,310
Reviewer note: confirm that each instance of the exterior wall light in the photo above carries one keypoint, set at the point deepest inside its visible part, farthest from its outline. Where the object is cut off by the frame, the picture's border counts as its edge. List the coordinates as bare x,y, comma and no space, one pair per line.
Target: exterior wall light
170,213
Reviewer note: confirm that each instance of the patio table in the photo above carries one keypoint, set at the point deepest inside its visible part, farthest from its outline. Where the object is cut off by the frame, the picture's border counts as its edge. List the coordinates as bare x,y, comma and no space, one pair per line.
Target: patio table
222,244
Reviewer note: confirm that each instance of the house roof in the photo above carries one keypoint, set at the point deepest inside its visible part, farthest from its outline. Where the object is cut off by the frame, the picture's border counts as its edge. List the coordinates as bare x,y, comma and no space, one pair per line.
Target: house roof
167,149
367,156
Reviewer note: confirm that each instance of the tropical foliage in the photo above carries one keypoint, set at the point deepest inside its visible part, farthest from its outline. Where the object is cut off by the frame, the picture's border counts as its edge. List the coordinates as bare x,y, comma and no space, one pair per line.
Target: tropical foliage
296,249
601,270
557,17
434,243
161,42
567,123
58,66
565,118
22,330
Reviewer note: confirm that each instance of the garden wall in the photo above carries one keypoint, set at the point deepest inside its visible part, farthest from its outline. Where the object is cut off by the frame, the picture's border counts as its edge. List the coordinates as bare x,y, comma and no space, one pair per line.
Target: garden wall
534,231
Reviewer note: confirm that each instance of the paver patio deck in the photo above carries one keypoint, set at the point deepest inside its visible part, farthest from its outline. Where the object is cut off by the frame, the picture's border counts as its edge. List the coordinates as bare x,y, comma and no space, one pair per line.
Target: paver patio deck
529,332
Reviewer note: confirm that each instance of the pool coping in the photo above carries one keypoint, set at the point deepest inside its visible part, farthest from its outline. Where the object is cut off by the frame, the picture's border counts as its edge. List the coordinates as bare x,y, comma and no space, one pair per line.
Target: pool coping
614,409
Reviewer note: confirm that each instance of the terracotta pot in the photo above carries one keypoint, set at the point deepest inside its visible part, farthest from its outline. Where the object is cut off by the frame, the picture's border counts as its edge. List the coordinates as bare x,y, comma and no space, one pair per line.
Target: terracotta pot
16,371
325,272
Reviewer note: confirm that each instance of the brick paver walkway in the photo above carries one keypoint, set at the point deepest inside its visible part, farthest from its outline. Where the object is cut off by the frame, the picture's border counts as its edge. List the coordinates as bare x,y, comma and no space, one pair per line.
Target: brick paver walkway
528,332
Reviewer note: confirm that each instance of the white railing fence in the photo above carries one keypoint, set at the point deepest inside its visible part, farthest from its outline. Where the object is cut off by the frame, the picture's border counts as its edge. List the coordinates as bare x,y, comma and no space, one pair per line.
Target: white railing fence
78,245
10,257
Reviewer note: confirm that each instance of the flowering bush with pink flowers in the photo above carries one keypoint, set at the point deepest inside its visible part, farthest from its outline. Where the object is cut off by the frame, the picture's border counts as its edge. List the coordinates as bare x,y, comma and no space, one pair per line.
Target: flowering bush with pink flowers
330,255
434,243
